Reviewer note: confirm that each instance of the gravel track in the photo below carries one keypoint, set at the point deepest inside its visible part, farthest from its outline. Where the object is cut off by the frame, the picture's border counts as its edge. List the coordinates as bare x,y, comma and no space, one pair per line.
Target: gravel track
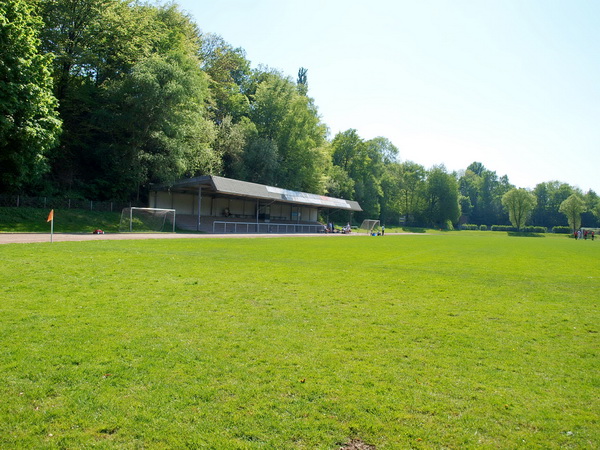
29,238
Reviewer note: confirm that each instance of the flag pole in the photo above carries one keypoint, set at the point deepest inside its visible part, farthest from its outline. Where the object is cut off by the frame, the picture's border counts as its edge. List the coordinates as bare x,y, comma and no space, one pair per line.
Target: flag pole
51,220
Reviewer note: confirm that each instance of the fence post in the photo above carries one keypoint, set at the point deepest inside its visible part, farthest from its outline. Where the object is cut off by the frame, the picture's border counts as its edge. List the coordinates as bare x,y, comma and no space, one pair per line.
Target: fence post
69,203
91,207
17,201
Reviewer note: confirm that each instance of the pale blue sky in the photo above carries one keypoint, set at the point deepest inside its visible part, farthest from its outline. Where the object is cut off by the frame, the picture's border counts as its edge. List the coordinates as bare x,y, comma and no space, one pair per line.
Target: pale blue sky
513,84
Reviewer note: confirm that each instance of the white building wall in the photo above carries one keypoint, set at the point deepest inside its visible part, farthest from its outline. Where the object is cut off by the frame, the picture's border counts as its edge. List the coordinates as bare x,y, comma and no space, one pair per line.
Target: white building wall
188,204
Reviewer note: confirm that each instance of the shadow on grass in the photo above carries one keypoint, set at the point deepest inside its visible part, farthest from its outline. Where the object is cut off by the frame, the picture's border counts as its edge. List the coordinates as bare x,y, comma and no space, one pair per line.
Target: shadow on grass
524,234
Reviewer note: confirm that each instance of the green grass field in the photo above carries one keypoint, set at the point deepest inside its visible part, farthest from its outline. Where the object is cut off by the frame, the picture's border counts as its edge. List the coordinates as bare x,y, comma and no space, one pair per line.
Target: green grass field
448,340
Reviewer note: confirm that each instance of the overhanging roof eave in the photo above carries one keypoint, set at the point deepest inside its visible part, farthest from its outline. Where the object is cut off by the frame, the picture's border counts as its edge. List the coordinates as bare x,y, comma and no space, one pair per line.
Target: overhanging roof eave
237,188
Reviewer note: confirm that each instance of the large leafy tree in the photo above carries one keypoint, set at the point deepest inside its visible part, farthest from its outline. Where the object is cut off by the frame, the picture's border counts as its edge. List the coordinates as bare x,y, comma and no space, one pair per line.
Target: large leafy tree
158,129
484,190
351,154
590,217
291,121
519,203
412,186
231,141
442,198
132,95
367,170
550,195
572,207
229,78
29,123
403,187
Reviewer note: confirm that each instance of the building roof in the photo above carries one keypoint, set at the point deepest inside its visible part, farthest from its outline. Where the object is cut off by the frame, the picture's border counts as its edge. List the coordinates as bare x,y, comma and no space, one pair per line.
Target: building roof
237,188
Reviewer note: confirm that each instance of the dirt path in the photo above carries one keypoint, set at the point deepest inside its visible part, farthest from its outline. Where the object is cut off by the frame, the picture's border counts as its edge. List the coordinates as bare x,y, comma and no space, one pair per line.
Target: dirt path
27,238
30,238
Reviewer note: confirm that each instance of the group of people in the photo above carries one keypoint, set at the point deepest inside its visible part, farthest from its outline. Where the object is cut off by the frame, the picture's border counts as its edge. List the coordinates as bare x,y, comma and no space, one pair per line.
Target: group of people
330,228
584,234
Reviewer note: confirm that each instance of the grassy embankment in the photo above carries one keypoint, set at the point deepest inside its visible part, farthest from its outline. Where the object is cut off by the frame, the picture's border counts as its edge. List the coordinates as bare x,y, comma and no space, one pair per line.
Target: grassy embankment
451,340
24,220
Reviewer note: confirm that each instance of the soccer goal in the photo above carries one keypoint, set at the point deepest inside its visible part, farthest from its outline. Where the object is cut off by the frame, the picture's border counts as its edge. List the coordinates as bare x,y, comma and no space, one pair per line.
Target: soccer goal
147,219
369,225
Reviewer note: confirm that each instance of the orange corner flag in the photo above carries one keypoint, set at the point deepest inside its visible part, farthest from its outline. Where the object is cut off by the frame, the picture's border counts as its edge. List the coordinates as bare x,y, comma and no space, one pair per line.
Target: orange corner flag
50,216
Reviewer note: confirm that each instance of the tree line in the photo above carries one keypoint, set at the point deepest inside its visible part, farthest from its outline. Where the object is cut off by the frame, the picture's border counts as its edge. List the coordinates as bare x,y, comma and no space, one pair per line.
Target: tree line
103,98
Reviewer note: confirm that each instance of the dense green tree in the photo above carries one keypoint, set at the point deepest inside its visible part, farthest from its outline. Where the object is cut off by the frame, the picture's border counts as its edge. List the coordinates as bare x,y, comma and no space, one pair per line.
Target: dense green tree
261,161
595,208
589,218
549,196
302,81
412,186
132,95
29,123
229,78
484,189
158,123
572,207
519,203
339,183
363,162
291,121
231,141
441,196
403,186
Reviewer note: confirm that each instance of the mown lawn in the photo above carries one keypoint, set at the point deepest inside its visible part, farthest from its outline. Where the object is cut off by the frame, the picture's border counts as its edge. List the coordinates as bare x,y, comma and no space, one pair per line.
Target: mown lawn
449,340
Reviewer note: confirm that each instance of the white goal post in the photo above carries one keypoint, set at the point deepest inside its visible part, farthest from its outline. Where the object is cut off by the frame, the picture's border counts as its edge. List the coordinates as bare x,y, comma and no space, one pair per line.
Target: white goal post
147,219
368,225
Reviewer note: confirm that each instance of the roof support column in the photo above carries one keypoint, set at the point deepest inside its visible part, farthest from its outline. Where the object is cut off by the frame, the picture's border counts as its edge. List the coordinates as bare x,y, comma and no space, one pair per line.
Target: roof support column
199,206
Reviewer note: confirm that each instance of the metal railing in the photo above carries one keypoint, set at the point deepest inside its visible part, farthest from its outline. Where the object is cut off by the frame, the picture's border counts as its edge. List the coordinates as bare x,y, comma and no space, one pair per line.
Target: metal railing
253,227
24,201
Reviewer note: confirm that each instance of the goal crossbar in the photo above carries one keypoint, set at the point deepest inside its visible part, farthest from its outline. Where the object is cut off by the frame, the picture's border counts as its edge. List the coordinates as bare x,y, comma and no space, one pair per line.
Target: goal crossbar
369,224
163,211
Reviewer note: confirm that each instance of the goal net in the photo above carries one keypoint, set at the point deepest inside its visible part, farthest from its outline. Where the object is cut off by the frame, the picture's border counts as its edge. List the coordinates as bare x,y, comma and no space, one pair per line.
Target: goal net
369,225
147,219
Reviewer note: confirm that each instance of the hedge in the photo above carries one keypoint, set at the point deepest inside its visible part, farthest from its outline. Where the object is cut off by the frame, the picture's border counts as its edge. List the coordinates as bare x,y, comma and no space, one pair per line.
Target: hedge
503,228
535,230
562,230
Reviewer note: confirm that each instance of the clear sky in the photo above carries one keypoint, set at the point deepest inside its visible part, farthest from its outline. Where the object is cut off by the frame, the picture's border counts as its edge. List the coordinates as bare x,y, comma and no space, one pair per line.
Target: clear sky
513,84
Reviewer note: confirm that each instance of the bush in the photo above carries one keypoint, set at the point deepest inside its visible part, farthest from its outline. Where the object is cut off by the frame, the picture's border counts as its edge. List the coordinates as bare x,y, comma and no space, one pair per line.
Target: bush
503,228
535,230
469,226
561,230
483,228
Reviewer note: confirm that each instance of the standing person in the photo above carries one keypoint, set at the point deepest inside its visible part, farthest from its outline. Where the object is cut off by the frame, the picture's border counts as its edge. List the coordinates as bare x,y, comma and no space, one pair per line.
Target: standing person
592,235
382,230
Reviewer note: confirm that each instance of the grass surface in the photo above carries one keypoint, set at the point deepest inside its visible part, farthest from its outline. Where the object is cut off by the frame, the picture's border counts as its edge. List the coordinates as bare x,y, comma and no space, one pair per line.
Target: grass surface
448,340
22,220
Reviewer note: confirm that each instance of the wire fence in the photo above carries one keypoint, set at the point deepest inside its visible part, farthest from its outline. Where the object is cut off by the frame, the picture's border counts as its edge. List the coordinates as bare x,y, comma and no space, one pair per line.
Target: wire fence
23,201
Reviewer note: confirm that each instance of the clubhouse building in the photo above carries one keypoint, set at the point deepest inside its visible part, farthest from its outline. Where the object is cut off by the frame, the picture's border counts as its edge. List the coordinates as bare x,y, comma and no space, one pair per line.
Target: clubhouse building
224,205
